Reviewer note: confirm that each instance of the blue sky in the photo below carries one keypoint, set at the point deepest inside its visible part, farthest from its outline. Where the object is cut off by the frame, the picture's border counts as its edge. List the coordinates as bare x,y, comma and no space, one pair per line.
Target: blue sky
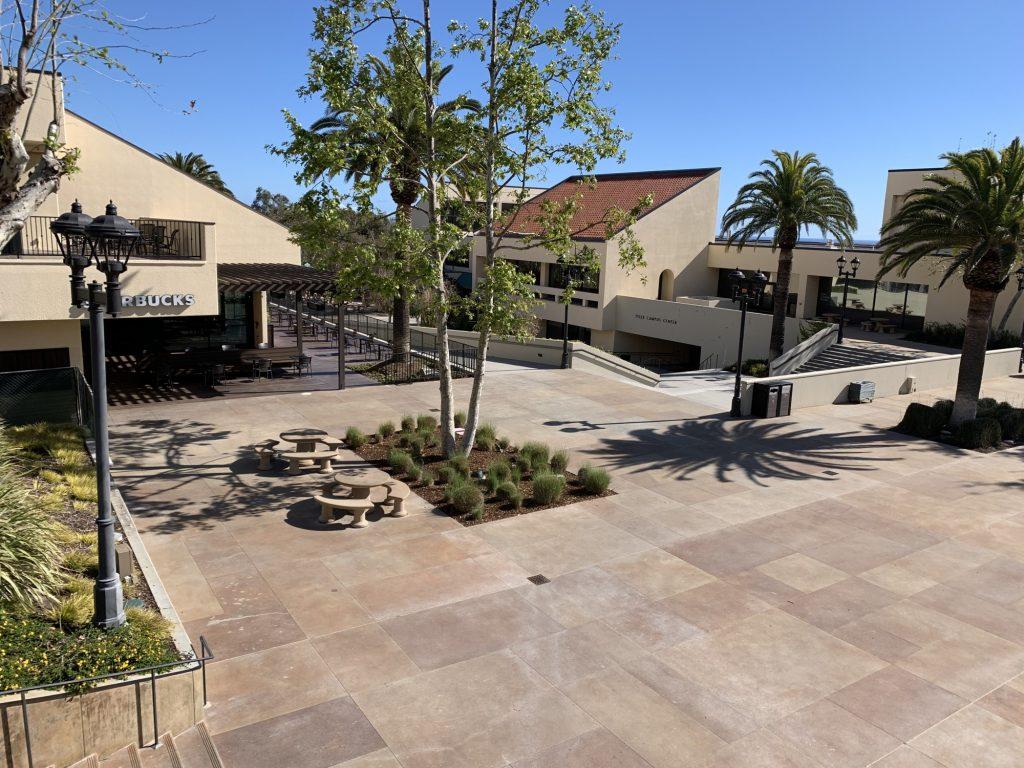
869,85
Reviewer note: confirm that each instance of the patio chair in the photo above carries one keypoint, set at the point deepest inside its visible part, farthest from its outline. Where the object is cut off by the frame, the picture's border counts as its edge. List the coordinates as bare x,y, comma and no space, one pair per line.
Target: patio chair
304,362
262,368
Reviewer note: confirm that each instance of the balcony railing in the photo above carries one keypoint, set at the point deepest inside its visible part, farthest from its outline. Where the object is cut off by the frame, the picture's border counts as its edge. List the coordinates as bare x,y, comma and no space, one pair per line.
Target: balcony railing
161,239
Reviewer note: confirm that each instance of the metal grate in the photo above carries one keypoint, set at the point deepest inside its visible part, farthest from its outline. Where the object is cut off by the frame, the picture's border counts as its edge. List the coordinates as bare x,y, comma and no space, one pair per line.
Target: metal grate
55,395
539,579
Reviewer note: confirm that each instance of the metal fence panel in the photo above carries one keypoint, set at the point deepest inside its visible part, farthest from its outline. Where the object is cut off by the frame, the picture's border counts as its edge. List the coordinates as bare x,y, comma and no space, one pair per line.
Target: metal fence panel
54,395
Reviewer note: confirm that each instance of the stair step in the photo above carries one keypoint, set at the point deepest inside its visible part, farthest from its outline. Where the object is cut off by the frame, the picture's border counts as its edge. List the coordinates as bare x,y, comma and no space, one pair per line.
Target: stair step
195,749
122,758
160,756
86,762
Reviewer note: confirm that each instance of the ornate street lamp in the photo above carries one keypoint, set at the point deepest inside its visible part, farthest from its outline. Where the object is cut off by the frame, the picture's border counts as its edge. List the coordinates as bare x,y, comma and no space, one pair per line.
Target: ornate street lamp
109,241
845,275
571,276
745,289
1020,287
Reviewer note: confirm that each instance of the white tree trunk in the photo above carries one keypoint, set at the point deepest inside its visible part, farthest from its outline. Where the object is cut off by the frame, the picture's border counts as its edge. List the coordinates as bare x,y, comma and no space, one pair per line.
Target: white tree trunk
475,396
42,182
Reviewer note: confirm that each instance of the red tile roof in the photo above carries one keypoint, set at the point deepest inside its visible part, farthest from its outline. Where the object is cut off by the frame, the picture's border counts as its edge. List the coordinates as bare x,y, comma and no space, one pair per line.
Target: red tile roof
609,190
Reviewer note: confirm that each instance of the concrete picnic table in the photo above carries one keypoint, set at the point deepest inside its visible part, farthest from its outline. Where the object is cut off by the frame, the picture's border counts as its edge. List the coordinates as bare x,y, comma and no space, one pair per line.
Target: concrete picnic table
305,439
362,480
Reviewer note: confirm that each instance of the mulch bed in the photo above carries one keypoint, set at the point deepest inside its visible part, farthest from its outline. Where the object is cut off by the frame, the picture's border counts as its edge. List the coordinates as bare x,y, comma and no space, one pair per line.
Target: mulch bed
376,453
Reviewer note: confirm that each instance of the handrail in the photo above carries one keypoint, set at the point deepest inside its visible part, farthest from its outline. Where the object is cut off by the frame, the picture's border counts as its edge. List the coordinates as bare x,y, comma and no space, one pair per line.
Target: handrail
706,364
792,359
125,677
161,239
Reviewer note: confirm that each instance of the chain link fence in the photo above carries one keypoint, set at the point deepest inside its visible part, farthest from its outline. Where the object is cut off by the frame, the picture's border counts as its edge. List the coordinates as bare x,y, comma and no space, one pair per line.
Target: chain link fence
54,395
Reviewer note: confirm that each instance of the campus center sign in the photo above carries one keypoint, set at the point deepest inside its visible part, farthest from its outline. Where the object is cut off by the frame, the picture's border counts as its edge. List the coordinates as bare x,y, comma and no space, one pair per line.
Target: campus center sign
159,300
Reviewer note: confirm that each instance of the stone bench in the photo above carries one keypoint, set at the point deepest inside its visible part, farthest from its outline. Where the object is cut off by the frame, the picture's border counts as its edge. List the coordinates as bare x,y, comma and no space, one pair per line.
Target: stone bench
333,443
355,507
397,493
266,452
300,460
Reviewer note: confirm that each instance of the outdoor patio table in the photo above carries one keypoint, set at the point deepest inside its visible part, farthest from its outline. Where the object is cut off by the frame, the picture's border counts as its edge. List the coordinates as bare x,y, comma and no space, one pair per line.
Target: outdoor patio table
362,481
305,439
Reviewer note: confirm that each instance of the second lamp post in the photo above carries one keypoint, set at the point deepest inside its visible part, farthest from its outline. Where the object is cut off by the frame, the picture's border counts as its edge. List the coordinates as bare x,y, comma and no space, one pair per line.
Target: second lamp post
108,241
745,289
845,275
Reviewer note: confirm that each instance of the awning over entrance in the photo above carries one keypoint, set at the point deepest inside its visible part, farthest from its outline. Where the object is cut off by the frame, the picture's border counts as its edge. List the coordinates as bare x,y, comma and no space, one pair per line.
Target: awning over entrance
245,278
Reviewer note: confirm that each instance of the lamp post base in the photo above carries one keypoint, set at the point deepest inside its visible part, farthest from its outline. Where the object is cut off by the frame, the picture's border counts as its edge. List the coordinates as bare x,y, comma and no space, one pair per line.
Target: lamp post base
737,407
109,604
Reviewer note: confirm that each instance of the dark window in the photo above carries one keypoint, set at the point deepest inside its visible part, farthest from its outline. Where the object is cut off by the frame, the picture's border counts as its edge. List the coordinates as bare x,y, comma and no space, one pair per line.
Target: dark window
576,332
33,359
558,278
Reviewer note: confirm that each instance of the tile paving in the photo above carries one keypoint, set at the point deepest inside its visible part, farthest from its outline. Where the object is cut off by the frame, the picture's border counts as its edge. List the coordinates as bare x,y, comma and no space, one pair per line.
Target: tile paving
808,592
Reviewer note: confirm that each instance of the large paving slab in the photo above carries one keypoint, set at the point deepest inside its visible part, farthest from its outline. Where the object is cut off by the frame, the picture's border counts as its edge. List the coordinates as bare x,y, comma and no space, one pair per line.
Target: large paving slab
809,592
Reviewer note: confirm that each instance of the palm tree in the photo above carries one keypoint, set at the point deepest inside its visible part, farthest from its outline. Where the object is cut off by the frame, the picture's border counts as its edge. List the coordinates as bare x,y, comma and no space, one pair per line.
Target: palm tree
970,218
394,153
198,167
790,193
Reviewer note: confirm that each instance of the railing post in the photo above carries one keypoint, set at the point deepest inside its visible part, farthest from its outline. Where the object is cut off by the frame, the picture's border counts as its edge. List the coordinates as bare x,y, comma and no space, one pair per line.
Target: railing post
156,719
28,737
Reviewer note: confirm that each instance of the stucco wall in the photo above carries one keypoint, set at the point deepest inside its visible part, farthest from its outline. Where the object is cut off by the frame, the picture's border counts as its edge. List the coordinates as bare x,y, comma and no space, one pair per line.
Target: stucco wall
49,334
826,387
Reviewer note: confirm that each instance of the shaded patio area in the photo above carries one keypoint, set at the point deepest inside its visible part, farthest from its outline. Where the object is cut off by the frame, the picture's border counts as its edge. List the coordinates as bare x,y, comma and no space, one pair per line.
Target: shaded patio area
809,592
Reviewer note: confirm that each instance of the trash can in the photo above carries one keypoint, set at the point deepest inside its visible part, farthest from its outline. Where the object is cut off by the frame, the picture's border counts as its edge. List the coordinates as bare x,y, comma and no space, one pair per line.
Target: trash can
861,391
771,399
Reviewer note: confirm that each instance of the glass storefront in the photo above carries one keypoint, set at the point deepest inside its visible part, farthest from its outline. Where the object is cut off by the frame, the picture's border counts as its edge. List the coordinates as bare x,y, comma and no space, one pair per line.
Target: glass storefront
902,303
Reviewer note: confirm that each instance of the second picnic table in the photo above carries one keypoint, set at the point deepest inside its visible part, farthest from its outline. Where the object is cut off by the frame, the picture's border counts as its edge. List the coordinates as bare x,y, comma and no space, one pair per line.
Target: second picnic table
361,481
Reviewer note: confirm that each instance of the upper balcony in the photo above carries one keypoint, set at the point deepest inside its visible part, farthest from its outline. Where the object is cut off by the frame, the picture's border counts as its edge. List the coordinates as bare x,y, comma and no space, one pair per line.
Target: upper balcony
169,239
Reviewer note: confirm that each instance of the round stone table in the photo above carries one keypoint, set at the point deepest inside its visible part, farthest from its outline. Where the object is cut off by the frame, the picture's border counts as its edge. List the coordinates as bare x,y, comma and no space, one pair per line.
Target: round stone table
362,481
305,439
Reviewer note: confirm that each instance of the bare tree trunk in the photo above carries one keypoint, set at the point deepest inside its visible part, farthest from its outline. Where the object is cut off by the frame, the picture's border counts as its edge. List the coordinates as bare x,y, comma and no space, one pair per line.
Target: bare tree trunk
972,356
400,341
475,396
780,302
1009,310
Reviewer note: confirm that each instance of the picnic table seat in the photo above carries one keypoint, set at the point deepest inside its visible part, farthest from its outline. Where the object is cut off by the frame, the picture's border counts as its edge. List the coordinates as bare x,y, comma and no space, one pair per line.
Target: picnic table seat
300,460
355,507
333,442
397,492
266,452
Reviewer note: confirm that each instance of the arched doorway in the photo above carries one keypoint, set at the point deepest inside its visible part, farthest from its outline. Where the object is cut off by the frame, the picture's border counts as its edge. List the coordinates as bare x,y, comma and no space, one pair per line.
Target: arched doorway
665,286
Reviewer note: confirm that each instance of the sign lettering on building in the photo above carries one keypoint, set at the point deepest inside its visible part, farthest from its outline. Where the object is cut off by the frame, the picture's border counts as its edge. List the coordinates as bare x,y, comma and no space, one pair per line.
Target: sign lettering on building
159,300
653,319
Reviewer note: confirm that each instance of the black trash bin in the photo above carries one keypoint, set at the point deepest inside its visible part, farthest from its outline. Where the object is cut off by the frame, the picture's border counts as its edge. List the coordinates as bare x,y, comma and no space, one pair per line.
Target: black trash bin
771,399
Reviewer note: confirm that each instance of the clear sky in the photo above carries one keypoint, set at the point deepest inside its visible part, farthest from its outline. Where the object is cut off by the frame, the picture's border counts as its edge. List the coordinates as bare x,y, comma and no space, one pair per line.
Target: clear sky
867,84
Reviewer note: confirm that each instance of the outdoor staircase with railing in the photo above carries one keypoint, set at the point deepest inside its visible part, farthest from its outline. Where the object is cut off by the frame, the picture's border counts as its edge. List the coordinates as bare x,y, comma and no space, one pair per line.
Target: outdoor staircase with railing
192,748
851,355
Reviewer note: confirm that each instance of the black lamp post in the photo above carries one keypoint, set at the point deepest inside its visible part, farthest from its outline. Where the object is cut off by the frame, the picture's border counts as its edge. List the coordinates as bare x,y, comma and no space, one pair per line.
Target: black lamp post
1020,287
570,287
745,289
845,275
109,242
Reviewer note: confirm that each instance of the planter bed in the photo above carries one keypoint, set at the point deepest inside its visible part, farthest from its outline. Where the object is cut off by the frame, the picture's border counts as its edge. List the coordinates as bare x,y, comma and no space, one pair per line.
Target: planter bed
377,450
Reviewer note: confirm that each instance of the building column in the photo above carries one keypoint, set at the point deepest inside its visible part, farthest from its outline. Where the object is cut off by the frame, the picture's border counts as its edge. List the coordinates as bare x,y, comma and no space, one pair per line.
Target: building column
261,317
298,320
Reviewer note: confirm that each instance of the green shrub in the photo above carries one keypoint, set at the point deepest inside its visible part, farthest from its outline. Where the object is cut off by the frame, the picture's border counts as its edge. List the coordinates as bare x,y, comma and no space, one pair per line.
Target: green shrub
355,437
594,479
427,477
503,443
486,437
952,335
408,424
922,420
448,475
516,475
460,419
477,514
509,492
559,461
465,497
460,463
426,421
81,561
28,549
1011,421
537,454
72,611
987,404
983,432
523,464
386,430
501,469
399,460
547,489
414,472
430,439
416,446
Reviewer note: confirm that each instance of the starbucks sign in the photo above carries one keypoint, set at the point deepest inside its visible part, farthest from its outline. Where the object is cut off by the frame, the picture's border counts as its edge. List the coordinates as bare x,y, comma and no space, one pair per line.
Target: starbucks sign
158,300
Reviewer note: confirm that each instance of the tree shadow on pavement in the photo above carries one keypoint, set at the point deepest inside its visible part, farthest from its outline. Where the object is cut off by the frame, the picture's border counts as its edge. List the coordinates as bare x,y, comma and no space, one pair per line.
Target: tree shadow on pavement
761,450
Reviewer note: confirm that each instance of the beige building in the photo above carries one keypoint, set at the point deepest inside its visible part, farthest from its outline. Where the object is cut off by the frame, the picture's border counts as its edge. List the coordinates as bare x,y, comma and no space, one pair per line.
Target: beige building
184,285
679,312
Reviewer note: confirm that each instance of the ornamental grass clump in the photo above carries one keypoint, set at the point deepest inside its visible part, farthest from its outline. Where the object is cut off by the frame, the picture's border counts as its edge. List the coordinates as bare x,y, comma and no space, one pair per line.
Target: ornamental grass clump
460,462
447,474
547,489
594,479
427,477
559,461
399,460
408,423
426,423
509,493
486,437
386,430
984,432
460,419
498,472
466,498
537,454
355,437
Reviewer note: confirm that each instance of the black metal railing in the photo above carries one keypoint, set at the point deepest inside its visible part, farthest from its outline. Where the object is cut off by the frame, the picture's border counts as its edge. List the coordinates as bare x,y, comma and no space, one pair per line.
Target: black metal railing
134,677
161,239
52,395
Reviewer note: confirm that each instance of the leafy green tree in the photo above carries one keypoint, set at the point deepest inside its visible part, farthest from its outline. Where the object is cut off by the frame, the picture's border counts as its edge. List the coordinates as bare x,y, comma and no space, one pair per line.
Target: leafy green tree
969,219
790,193
198,167
540,107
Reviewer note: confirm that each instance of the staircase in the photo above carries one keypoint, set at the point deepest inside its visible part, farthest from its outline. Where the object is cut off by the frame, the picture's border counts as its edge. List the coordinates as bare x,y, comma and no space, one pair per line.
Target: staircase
189,749
852,354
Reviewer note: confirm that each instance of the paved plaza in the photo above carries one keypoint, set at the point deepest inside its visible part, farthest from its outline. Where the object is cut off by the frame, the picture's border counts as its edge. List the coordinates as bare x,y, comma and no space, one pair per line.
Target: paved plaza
814,591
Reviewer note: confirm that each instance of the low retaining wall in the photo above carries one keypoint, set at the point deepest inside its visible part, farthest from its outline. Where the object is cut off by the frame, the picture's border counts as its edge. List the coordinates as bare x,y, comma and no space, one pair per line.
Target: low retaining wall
827,387
65,729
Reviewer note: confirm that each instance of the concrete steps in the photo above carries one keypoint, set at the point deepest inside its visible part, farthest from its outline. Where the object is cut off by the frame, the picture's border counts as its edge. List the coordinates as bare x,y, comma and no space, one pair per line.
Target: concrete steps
192,748
852,355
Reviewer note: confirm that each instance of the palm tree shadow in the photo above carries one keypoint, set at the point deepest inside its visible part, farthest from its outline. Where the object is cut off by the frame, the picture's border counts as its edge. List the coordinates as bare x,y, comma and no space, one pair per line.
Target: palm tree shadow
761,450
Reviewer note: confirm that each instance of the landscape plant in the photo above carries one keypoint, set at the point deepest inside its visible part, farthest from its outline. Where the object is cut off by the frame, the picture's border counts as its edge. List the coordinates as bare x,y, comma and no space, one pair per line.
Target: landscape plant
595,480
968,219
559,461
355,437
548,488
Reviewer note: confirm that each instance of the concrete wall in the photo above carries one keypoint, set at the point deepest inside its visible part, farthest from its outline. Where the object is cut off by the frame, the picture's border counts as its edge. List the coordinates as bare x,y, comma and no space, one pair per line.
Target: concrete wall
827,387
44,334
714,329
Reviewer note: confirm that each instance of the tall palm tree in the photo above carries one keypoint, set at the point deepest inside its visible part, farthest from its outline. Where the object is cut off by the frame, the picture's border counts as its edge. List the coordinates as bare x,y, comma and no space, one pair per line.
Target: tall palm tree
198,167
790,193
394,154
970,218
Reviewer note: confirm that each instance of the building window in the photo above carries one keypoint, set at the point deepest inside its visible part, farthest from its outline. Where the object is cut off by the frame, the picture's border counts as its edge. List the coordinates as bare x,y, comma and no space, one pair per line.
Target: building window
558,274
553,330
